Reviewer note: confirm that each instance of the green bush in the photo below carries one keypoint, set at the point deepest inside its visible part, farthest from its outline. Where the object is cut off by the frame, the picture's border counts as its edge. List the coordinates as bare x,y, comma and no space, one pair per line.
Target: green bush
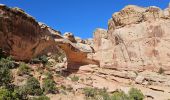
49,86
33,87
59,56
49,64
6,94
5,76
41,59
74,78
40,98
35,61
5,73
96,94
135,94
7,62
49,75
119,95
90,92
23,69
20,92
104,94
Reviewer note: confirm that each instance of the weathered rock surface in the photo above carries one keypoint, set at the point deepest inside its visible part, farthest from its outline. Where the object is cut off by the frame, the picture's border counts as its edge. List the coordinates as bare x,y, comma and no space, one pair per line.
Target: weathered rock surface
70,37
76,53
21,36
133,49
79,40
89,41
24,38
152,84
137,37
103,47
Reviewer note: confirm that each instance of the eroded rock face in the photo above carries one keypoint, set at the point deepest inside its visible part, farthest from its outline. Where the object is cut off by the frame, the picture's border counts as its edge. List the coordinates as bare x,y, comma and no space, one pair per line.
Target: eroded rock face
24,38
77,53
137,37
21,36
102,47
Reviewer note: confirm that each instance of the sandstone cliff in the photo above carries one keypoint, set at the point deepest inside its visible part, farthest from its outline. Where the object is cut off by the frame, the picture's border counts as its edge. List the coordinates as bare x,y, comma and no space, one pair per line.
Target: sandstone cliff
21,35
137,38
134,49
24,38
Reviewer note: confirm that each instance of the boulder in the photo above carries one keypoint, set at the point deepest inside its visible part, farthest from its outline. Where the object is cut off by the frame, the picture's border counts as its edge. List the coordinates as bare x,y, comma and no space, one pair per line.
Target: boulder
69,36
79,40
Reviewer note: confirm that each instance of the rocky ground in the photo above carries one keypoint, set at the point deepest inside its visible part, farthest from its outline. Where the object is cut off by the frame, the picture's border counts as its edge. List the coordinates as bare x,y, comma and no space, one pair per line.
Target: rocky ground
153,85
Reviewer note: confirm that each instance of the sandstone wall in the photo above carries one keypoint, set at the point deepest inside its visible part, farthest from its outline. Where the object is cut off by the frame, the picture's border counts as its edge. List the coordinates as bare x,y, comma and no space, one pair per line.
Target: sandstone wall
21,36
137,38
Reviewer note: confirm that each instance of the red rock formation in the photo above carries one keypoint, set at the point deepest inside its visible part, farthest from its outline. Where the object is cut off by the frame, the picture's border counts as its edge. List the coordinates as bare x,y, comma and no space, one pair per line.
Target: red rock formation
21,36
24,38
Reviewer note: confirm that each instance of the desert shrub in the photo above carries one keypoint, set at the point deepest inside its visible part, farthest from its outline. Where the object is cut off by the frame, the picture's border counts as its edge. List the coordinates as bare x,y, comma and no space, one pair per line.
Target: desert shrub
59,56
23,69
74,78
119,95
35,61
135,94
20,92
49,75
161,70
40,59
7,62
33,86
96,94
5,76
5,94
40,98
49,86
48,64
104,94
90,92
43,59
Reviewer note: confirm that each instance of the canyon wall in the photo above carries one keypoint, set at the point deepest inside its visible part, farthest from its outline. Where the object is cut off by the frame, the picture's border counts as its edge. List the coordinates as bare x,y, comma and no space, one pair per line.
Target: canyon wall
22,37
137,38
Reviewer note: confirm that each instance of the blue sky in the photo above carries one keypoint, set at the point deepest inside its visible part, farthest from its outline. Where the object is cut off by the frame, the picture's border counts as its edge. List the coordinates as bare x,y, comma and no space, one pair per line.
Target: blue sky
80,17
